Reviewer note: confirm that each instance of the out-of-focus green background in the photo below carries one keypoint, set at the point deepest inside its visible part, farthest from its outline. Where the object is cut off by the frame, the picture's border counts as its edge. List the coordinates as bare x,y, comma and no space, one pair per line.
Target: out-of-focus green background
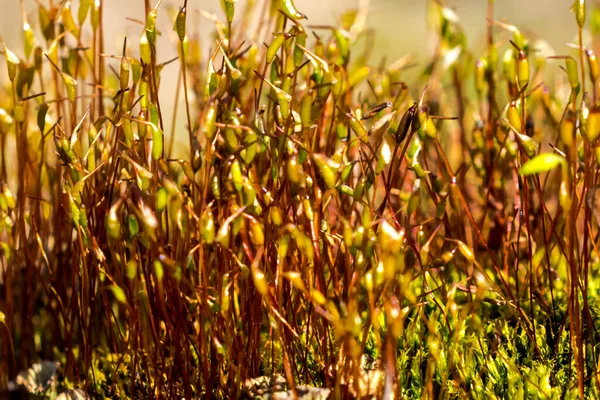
400,26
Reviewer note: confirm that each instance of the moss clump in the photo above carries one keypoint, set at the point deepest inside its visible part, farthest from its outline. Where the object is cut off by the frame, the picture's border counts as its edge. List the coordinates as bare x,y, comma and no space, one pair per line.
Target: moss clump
323,220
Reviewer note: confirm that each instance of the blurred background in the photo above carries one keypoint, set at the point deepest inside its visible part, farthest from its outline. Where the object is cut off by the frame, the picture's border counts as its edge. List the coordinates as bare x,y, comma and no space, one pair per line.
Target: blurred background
400,26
